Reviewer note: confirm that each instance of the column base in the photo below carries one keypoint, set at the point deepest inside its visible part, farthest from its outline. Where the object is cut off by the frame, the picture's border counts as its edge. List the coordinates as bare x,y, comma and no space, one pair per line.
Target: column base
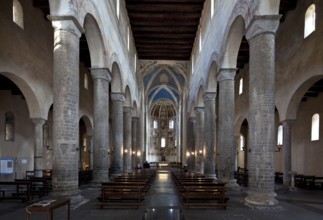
74,195
232,185
259,198
211,176
292,188
100,176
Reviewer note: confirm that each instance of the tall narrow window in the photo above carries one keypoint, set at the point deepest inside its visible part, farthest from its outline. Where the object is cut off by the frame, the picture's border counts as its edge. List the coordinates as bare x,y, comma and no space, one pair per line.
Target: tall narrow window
118,8
163,142
200,42
171,124
212,8
17,13
309,20
280,135
10,127
86,81
192,63
241,142
155,124
315,127
135,62
240,86
128,38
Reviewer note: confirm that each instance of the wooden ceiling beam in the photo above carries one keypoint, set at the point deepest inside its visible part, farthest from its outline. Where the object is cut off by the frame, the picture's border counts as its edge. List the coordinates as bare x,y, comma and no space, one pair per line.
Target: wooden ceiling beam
162,8
164,36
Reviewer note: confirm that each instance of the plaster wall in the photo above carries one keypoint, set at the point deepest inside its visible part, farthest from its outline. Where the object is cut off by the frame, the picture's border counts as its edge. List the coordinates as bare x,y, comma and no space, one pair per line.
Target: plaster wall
26,55
22,148
307,154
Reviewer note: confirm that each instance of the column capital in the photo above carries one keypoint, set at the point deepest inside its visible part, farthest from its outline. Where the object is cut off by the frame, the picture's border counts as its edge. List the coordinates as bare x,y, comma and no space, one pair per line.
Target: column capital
226,74
38,121
288,122
117,97
127,109
261,24
209,96
192,119
135,118
101,73
199,109
68,23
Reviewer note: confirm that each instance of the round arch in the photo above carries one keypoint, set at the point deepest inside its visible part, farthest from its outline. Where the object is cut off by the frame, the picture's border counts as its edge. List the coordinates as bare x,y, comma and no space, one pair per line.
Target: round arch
211,85
293,105
116,82
36,110
88,124
95,41
128,101
200,99
232,45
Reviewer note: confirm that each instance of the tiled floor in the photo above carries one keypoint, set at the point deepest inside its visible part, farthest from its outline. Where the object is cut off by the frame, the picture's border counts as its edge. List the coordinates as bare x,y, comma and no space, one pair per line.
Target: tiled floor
162,203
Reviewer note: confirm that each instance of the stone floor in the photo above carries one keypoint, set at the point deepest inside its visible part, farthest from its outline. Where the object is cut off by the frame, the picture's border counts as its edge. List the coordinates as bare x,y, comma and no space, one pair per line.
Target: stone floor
162,203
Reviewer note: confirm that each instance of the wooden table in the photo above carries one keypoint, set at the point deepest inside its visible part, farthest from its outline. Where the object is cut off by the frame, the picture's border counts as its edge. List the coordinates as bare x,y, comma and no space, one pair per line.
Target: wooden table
49,208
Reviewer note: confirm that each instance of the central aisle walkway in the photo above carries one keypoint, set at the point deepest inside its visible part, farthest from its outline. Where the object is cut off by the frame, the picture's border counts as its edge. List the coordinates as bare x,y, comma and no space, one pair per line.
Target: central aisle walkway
162,201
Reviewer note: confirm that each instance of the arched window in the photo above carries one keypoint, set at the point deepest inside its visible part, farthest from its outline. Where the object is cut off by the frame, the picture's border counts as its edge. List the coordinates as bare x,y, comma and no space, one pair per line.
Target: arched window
118,8
212,8
17,13
171,124
155,124
240,86
86,81
10,126
315,127
309,20
241,142
280,135
163,142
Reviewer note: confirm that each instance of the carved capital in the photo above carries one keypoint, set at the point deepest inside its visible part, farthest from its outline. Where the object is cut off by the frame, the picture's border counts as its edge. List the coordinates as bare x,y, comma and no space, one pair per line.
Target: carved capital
38,121
226,74
209,96
101,73
127,109
199,109
117,97
68,23
262,24
192,119
288,123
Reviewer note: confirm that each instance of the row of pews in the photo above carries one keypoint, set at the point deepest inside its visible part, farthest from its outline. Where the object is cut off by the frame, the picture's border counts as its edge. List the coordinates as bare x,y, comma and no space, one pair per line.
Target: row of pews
197,190
303,181
26,189
127,190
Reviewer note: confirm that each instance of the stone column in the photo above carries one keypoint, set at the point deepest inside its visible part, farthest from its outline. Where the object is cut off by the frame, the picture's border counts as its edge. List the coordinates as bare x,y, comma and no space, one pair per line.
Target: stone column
117,132
38,147
101,79
191,143
199,140
66,108
261,37
210,132
134,141
90,149
227,141
287,142
127,134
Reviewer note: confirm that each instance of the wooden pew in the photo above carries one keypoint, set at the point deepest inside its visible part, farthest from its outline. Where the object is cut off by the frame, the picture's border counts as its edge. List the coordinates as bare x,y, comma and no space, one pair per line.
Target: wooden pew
20,190
122,194
204,195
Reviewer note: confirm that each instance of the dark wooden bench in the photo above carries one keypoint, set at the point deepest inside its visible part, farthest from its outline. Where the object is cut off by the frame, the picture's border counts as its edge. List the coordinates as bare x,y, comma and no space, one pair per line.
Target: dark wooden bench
121,195
204,195
13,190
